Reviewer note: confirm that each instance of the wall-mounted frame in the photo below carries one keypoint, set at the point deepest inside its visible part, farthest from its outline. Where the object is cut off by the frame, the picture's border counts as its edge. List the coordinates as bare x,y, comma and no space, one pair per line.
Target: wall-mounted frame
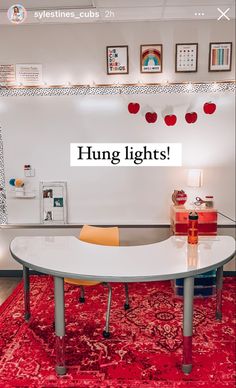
117,60
151,58
220,56
186,57
53,203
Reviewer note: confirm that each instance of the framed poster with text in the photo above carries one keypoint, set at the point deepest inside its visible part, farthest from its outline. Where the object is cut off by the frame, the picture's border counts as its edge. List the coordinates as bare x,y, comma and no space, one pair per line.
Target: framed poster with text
53,205
186,57
117,60
151,58
220,56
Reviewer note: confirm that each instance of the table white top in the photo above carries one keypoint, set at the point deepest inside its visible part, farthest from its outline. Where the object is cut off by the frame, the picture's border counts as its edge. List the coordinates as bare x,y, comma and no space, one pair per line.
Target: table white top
66,256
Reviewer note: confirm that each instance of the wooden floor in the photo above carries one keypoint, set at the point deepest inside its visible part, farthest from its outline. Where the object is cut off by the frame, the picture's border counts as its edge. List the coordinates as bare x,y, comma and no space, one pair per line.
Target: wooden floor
7,285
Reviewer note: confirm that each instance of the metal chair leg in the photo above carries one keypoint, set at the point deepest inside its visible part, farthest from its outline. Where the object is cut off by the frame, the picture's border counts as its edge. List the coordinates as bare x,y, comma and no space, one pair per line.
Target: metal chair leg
82,298
126,305
106,333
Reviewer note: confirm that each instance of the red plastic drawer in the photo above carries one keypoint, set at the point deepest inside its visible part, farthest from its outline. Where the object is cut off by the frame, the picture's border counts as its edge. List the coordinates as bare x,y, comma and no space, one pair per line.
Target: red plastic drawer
202,228
202,216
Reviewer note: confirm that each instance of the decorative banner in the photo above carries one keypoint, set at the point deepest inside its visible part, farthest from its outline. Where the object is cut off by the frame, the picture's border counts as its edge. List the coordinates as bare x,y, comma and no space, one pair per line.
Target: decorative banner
151,58
117,60
7,74
125,154
29,74
146,89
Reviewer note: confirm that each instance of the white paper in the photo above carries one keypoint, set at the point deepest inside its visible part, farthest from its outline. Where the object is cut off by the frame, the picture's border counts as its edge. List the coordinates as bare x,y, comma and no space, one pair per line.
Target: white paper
29,74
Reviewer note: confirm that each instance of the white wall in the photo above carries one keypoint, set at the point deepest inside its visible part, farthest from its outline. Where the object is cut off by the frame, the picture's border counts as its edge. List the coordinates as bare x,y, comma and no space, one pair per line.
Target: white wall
76,53
39,130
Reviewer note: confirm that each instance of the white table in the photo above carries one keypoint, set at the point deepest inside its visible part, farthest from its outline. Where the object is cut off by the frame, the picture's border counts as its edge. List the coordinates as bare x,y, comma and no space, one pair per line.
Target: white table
66,256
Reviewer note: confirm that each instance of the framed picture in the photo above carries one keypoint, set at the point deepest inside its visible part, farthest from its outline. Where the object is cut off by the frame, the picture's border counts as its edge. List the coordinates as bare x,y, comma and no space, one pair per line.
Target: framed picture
117,60
186,57
220,56
151,58
53,206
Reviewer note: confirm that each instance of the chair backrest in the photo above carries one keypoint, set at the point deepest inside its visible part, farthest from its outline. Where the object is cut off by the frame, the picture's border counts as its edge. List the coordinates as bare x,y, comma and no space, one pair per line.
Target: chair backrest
99,235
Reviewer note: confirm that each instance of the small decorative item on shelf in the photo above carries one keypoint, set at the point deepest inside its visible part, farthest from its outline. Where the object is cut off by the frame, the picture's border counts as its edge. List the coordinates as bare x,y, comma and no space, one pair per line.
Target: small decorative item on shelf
193,228
208,202
179,197
19,186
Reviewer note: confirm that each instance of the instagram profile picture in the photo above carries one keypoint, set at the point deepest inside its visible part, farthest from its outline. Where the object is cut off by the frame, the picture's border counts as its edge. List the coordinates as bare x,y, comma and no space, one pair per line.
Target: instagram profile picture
17,13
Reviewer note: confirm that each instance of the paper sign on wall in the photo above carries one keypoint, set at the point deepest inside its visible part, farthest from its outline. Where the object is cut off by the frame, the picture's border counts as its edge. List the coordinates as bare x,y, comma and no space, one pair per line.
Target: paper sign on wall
29,74
7,74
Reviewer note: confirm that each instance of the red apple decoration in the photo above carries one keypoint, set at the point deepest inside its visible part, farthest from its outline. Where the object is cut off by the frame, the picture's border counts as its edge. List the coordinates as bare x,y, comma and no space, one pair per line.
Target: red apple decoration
170,120
191,117
133,107
151,117
209,108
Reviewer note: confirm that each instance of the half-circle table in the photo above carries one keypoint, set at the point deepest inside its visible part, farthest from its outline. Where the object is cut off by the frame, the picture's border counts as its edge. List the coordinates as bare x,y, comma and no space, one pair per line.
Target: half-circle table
66,256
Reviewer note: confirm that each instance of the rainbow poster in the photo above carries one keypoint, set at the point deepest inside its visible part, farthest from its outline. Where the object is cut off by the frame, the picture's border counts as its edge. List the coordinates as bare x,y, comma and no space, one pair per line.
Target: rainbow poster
151,58
220,56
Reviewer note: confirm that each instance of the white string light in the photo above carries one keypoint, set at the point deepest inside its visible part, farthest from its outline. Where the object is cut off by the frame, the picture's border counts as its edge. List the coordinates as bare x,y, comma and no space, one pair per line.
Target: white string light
215,86
189,86
116,87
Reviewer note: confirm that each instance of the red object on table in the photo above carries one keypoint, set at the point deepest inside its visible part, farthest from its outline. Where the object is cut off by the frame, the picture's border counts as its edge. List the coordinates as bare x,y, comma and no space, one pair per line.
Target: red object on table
207,221
207,226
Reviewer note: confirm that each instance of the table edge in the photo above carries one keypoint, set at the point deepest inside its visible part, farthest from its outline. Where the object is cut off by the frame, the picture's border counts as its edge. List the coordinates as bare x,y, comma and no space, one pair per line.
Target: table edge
123,279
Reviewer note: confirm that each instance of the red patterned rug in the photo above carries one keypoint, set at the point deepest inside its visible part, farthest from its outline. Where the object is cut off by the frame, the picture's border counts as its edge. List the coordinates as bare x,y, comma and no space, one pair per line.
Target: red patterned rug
144,351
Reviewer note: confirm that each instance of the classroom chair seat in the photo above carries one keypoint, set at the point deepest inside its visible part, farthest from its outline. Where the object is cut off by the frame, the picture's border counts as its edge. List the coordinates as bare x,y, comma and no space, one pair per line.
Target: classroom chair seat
100,236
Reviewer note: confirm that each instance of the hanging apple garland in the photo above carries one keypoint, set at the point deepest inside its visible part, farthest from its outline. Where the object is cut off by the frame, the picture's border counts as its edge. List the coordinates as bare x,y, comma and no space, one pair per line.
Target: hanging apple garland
170,120
133,107
209,108
151,117
191,117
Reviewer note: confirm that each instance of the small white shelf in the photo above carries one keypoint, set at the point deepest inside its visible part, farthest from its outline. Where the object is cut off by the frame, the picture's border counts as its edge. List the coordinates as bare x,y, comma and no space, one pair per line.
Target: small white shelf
26,196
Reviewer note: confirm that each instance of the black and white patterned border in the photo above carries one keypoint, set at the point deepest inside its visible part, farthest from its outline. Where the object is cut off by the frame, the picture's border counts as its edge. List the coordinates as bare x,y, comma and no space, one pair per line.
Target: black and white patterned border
3,204
118,89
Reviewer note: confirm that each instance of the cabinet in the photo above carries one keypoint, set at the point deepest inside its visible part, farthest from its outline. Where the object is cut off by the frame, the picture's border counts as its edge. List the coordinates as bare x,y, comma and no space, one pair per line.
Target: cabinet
204,285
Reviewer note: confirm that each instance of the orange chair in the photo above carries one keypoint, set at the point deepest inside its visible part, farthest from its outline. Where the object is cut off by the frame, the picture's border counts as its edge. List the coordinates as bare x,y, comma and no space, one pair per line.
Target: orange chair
100,236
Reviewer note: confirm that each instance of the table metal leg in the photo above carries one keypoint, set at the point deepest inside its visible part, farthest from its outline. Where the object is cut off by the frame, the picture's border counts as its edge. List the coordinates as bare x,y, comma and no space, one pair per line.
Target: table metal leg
26,292
59,325
219,286
188,325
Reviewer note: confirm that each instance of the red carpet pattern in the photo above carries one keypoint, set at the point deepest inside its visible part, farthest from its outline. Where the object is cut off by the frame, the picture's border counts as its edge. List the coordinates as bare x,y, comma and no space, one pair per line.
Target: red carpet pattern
144,351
